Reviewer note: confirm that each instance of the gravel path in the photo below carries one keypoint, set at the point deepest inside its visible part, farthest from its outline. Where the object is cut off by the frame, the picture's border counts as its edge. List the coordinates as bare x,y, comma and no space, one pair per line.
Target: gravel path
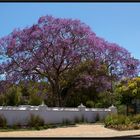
82,130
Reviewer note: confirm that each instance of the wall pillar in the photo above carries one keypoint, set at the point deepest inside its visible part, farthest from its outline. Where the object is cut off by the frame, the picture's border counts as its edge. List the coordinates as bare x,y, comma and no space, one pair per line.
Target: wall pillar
113,109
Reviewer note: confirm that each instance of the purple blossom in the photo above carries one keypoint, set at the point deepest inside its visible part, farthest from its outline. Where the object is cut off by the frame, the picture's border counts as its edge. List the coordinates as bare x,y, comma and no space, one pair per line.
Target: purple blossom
54,46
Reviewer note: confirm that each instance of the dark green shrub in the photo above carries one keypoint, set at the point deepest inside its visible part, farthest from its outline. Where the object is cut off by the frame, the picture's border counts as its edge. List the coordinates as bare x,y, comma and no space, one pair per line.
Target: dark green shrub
3,122
99,105
90,104
35,121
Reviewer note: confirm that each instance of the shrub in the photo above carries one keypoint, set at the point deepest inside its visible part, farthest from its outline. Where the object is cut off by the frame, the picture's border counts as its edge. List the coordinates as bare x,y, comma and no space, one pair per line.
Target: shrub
35,121
90,104
122,122
3,122
117,120
99,105
35,99
16,125
13,96
66,122
121,109
135,126
136,119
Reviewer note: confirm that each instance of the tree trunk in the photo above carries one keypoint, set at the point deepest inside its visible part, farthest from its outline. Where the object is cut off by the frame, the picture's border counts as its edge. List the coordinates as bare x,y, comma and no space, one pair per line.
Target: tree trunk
56,94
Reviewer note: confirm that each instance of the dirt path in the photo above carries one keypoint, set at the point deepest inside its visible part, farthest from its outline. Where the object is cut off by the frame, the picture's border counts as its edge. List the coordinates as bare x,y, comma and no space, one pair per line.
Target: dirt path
75,131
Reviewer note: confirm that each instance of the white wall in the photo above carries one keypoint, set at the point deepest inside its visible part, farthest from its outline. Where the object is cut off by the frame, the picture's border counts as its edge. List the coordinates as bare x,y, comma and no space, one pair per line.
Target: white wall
21,114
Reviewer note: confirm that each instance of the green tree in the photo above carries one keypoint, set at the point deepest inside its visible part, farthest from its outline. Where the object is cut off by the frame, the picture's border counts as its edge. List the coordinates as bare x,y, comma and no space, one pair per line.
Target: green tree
128,90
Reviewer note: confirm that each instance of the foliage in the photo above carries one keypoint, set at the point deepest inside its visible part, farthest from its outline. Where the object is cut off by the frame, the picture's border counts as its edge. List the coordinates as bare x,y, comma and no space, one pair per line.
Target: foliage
67,54
3,122
26,92
136,119
2,99
13,97
116,120
122,109
128,89
35,99
17,126
123,122
125,127
35,121
90,104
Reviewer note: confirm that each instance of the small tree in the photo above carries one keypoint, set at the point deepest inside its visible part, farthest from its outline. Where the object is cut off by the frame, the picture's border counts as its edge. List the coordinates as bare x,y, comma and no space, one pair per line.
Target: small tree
128,90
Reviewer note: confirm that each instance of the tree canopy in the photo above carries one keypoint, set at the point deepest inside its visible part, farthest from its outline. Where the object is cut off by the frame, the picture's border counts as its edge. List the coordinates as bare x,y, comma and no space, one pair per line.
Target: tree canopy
129,89
55,48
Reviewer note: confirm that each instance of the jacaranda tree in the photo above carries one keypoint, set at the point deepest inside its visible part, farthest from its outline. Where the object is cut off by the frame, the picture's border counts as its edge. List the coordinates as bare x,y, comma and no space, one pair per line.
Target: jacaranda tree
55,46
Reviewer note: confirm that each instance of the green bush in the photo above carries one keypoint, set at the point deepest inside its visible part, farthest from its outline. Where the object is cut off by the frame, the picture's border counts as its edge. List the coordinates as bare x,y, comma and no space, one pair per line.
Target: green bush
99,105
136,119
35,121
123,122
121,109
117,120
34,99
3,122
13,96
90,104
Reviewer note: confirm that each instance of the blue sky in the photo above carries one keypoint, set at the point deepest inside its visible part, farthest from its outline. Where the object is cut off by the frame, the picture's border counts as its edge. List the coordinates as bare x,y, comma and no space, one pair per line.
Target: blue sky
115,22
